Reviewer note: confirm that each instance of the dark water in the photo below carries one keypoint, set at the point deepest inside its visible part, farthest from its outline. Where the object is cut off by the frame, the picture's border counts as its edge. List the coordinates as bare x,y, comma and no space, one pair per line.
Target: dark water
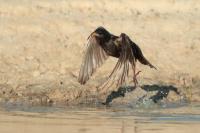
142,118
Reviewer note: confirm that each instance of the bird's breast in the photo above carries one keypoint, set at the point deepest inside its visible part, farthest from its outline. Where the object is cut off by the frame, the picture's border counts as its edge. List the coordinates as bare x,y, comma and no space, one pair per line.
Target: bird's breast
112,48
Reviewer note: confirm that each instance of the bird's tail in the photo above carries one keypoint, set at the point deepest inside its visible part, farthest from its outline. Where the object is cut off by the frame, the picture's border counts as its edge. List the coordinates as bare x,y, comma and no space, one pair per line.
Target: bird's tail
144,61
139,56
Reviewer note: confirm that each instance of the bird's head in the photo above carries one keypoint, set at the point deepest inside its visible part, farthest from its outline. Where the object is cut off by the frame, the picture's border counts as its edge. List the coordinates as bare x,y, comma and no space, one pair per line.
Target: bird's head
101,33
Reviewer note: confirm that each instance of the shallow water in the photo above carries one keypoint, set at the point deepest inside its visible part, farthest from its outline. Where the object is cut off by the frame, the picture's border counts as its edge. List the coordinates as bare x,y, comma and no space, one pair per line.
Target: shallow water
97,119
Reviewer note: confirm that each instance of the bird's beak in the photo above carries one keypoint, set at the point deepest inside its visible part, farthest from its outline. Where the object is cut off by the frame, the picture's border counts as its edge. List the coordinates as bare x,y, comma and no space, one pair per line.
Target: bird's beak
94,34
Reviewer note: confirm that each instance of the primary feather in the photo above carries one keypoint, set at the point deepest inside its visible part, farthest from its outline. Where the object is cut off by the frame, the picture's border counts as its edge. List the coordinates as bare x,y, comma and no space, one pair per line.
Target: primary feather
93,58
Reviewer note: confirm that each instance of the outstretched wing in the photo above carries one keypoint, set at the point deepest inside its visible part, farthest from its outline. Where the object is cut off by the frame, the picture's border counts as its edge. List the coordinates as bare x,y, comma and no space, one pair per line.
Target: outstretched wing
93,58
139,55
119,75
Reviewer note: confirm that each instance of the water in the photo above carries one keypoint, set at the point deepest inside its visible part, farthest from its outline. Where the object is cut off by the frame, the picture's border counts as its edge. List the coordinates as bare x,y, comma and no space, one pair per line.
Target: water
171,118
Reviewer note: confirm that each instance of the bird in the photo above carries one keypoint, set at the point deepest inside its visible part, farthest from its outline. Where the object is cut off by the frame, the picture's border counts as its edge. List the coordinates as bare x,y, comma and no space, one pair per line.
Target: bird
102,44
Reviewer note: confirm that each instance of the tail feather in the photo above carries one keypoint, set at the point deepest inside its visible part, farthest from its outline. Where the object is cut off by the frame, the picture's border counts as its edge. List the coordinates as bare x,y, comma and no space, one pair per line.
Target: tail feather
144,61
139,56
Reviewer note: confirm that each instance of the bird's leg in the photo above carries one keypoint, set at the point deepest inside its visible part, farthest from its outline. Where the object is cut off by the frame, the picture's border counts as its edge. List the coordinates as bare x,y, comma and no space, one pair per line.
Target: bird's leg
135,74
135,78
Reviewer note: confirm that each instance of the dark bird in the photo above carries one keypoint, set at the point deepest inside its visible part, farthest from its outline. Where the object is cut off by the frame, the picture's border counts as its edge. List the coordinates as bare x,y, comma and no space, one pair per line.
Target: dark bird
102,44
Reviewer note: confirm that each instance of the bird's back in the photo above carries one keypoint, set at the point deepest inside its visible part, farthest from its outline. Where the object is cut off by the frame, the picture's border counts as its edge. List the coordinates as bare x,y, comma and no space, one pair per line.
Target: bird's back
111,47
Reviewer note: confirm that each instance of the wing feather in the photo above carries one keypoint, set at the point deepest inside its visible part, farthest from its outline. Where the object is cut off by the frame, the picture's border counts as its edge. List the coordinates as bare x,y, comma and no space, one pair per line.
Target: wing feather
119,75
93,58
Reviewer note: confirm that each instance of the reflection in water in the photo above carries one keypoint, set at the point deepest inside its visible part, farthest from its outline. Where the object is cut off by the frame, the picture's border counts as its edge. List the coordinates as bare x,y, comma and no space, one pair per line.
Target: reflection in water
22,119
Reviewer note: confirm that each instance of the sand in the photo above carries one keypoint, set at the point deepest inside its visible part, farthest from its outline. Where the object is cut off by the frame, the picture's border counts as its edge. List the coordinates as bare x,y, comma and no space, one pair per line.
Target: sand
42,44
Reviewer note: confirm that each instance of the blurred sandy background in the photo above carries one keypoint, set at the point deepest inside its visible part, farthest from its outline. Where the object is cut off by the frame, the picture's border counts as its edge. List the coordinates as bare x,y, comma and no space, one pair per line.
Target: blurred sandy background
42,44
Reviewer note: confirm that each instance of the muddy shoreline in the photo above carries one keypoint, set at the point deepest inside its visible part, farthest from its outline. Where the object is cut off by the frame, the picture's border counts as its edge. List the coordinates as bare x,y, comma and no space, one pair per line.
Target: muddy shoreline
51,93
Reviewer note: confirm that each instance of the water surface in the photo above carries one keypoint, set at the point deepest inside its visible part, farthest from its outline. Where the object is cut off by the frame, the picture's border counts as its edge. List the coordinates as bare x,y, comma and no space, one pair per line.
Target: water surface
100,119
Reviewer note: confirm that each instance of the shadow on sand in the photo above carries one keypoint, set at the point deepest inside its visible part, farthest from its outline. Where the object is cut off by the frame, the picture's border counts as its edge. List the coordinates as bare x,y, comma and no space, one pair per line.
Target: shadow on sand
163,91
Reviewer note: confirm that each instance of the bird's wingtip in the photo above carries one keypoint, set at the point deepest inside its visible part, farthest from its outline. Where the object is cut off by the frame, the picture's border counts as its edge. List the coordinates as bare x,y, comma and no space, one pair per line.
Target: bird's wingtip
81,81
